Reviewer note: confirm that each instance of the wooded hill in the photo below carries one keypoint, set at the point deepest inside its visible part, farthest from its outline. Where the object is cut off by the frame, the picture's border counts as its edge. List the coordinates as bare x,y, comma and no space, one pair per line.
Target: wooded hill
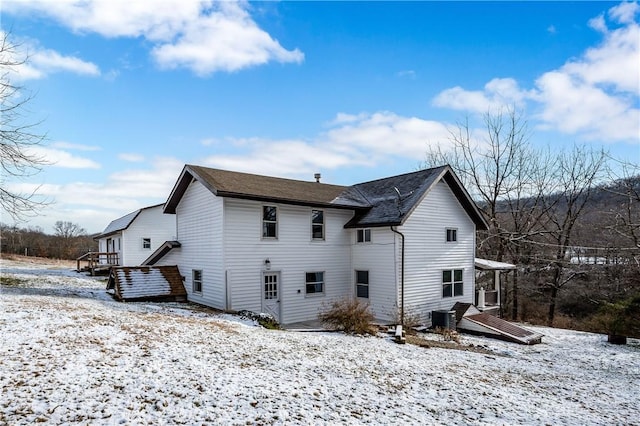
588,273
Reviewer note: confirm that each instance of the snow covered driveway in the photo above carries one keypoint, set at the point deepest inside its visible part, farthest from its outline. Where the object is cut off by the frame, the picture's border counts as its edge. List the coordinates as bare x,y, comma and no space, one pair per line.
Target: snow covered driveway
69,354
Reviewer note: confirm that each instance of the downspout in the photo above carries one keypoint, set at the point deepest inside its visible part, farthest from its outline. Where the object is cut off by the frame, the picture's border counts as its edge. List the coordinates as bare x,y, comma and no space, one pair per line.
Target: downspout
401,276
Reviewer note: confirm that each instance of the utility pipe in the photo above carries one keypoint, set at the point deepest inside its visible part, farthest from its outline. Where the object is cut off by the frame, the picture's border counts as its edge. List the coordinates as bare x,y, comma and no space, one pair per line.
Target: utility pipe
401,276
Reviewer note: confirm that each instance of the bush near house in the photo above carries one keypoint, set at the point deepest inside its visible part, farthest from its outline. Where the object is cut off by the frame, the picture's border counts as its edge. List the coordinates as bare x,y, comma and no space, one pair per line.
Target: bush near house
349,315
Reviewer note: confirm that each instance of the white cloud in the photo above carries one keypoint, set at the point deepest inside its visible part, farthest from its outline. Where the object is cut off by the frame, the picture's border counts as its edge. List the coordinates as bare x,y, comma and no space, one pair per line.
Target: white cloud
594,96
410,74
625,13
61,158
34,62
496,94
50,61
203,36
597,94
223,41
75,146
366,139
84,202
131,158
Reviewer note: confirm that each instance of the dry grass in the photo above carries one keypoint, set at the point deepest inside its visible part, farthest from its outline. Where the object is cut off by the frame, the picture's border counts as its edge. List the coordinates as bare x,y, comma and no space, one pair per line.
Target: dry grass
31,260
426,343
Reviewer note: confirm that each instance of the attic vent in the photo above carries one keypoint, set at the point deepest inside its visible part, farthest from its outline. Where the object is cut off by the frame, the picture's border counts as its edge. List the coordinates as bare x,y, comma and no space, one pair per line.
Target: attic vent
317,177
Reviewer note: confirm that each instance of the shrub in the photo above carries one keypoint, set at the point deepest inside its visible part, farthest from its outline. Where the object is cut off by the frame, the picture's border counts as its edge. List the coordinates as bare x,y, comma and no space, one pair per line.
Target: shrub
412,319
448,335
264,320
348,315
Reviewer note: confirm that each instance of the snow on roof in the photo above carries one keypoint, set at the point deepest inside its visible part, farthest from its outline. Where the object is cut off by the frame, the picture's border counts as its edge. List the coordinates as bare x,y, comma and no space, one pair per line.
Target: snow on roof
147,282
491,265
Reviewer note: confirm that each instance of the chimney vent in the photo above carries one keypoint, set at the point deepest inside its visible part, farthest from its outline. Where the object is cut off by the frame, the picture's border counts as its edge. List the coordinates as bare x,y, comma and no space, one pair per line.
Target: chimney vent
317,176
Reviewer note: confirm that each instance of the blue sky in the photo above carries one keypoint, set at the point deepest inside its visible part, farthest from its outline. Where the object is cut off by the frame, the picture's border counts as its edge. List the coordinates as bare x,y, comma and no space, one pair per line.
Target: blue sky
130,91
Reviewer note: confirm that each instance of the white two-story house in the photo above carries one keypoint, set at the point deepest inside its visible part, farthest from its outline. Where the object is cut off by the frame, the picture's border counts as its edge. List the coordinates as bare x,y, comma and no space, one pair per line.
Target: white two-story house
290,247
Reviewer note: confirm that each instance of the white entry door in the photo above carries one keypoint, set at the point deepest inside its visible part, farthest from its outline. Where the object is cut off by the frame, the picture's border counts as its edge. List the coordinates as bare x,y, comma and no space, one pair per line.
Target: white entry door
271,294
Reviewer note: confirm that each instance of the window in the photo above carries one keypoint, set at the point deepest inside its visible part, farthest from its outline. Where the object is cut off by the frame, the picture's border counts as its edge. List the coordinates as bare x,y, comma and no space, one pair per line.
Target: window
317,224
452,284
314,282
363,235
196,279
269,222
270,286
362,284
146,243
452,235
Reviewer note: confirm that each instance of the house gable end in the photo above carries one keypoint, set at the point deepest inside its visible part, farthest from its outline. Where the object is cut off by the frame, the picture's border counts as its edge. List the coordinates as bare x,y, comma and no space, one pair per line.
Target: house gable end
394,199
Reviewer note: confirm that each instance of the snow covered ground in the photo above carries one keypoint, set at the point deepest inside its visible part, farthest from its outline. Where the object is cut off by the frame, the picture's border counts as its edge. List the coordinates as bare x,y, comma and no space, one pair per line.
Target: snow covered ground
69,354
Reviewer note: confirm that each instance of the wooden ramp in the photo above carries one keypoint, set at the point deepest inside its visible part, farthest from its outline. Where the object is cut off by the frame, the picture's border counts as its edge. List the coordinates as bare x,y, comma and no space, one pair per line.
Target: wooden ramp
146,283
472,320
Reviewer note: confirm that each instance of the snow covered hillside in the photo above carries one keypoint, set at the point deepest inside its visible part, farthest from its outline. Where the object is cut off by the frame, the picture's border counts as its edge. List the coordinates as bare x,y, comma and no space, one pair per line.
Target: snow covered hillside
69,354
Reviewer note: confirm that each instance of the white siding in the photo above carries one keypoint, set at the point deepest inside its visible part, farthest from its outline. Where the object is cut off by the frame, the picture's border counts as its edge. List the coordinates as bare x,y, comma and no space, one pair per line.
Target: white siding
292,254
427,253
377,257
150,223
199,221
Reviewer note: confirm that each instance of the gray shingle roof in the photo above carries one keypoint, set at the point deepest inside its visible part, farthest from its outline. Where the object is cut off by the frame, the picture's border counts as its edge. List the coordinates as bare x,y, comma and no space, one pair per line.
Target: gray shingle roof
225,183
392,199
381,202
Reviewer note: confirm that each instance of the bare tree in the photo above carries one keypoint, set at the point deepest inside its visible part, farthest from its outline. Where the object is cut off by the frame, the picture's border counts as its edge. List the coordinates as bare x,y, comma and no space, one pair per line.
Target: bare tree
626,221
576,176
67,234
507,177
18,135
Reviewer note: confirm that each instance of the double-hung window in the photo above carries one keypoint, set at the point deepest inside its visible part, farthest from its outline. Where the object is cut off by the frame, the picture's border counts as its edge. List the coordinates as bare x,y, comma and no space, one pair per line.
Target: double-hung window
452,284
146,243
452,235
363,235
314,282
317,224
269,222
196,280
362,284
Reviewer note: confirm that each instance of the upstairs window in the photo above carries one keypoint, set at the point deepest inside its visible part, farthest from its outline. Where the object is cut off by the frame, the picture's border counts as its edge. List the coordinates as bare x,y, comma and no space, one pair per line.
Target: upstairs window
317,224
314,282
363,235
452,284
269,222
146,243
362,284
452,235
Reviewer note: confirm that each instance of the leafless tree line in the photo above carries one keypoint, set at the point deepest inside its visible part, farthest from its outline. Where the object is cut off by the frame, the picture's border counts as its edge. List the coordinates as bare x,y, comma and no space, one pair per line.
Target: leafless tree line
69,241
543,213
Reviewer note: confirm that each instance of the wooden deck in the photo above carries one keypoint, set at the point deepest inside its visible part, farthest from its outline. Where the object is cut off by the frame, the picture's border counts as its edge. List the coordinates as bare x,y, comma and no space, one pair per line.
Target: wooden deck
97,262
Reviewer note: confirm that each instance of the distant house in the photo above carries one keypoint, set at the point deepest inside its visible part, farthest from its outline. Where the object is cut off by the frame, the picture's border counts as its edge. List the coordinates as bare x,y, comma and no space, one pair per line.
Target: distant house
289,247
135,236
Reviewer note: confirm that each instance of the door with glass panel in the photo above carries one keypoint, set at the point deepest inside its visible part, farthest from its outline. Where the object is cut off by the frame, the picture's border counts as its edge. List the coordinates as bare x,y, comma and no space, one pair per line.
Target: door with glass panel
271,294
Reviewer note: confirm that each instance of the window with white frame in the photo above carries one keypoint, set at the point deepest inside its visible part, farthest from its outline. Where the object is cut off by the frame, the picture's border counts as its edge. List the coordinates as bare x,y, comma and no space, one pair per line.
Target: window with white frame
317,224
269,222
314,282
146,243
452,235
196,280
362,284
452,284
363,235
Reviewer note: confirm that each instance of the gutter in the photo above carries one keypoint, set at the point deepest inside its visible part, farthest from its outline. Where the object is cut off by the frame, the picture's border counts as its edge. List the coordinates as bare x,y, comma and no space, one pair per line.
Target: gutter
401,275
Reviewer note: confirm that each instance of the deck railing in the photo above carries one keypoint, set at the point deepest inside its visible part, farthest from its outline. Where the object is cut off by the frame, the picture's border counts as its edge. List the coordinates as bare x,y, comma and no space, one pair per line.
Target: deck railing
97,260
